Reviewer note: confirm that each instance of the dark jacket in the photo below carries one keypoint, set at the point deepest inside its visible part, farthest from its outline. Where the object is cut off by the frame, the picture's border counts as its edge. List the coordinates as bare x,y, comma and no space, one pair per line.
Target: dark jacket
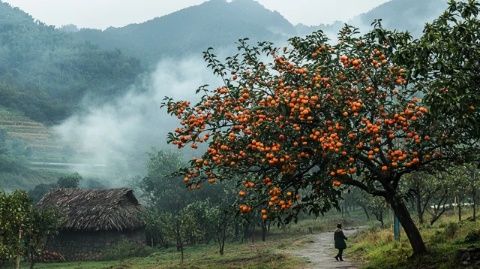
340,238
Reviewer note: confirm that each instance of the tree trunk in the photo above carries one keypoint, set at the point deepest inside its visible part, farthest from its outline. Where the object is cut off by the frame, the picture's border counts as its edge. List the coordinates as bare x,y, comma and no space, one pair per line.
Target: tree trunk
222,241
418,202
264,231
181,250
474,200
32,258
365,211
223,233
437,216
252,232
246,232
408,225
17,259
459,212
237,230
179,240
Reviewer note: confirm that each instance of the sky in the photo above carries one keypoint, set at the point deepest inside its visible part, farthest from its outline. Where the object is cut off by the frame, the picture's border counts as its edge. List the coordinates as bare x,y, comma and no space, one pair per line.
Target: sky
102,14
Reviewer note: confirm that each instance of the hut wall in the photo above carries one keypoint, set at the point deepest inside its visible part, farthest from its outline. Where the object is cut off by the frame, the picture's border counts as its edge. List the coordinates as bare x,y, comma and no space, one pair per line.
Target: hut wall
84,245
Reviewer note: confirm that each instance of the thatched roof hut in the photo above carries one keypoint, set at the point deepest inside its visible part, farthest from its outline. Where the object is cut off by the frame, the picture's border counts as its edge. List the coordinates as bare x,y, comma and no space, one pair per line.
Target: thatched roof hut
96,210
94,220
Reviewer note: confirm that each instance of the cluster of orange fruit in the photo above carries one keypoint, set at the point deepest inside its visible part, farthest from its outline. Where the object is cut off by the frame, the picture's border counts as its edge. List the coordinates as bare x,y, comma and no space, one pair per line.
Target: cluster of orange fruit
378,59
245,208
355,63
277,202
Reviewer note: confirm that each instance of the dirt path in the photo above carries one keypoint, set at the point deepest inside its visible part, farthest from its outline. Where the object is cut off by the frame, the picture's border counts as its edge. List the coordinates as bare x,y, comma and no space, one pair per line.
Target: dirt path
320,252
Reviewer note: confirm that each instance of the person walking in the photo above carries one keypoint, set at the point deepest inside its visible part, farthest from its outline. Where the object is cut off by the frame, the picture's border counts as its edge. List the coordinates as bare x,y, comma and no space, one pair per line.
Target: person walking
340,244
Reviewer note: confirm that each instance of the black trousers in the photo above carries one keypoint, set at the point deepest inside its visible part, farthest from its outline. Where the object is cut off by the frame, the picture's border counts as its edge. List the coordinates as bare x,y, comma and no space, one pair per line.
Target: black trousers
340,253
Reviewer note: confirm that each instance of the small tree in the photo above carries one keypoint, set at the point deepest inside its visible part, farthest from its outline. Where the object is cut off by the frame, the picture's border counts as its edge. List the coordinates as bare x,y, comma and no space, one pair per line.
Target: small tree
23,228
155,228
44,223
375,206
465,184
473,174
15,219
428,193
442,195
69,181
66,181
177,214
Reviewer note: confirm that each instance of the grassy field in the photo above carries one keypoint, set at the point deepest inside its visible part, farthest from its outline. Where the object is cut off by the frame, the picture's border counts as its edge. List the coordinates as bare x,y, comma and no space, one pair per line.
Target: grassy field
274,253
376,249
270,254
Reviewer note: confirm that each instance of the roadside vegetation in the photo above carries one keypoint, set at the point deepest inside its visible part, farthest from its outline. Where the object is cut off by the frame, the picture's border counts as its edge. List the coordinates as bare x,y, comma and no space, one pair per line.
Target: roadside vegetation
251,253
269,254
447,241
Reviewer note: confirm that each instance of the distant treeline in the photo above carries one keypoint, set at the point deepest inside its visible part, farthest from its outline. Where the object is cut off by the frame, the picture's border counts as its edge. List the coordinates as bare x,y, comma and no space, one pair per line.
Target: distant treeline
45,73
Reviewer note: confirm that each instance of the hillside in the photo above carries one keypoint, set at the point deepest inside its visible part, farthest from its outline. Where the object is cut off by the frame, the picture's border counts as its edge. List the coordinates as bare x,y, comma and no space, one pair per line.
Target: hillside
218,24
45,73
23,140
215,23
37,140
44,76
405,15
392,14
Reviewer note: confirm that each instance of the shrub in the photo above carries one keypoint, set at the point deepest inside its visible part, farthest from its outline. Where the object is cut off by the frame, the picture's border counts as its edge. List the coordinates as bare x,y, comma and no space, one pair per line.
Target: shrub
451,229
438,237
472,236
127,249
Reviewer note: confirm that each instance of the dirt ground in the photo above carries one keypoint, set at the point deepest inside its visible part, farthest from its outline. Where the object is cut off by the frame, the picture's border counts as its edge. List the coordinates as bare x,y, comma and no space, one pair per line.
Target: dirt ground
320,252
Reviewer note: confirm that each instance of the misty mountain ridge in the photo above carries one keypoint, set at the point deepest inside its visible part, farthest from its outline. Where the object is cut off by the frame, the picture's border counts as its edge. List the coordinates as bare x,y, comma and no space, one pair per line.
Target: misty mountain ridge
220,23
403,15
45,73
215,23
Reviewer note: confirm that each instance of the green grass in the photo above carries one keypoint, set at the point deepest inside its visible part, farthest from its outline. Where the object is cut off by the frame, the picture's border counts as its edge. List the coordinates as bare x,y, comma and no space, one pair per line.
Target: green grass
257,255
375,248
274,253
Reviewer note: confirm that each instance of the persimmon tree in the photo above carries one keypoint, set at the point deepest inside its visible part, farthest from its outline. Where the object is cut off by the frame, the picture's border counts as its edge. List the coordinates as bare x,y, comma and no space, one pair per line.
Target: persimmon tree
303,121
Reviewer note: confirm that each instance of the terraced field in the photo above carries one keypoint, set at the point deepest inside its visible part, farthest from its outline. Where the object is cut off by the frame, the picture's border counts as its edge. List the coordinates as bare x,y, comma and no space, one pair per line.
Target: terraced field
36,136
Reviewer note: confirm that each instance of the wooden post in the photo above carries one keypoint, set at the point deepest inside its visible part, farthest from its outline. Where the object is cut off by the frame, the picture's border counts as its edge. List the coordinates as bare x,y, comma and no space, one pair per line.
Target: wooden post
396,228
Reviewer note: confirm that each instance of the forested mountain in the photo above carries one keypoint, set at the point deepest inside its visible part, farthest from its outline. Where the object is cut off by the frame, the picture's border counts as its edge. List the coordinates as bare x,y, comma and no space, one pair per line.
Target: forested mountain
216,23
44,72
406,15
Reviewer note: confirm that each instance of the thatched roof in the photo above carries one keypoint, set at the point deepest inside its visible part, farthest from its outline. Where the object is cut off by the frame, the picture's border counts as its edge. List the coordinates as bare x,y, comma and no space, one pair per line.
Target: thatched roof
95,210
